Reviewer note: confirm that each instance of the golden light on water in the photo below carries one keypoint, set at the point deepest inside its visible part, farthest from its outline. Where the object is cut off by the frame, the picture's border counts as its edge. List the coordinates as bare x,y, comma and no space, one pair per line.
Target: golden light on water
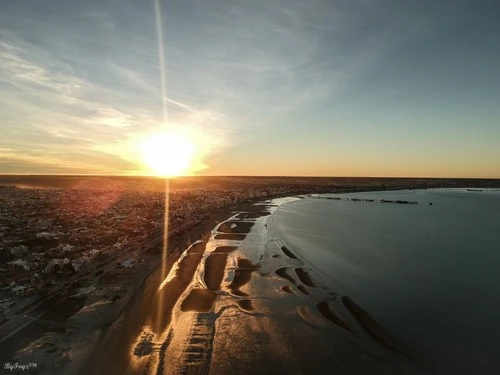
168,154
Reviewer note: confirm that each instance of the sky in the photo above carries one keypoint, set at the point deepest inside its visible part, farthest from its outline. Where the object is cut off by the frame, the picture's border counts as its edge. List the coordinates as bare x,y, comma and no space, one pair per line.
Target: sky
261,87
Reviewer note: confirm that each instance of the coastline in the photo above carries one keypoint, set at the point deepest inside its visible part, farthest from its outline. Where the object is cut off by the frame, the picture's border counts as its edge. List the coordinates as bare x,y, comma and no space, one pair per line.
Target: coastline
96,339
99,326
76,342
116,337
255,296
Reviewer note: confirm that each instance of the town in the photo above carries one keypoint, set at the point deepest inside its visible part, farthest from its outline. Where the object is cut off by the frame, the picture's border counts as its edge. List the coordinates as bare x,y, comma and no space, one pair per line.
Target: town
52,236
49,237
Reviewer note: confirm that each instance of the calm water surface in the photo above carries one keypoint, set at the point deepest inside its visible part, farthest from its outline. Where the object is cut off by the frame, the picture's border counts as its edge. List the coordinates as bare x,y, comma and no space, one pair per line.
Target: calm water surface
430,274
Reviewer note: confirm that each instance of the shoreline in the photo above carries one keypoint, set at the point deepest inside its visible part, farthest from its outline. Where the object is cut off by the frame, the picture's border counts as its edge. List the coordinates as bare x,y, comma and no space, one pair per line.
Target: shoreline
254,296
128,341
115,337
84,337
76,342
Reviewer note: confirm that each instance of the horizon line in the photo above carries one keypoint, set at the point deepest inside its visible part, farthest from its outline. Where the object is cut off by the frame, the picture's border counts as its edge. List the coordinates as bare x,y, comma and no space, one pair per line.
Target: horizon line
238,176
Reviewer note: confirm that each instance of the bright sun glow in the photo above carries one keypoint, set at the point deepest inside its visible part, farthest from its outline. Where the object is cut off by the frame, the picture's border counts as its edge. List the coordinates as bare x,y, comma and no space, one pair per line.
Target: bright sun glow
167,154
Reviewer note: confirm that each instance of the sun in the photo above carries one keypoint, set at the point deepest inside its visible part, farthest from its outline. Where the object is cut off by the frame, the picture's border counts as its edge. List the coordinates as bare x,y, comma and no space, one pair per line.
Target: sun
167,154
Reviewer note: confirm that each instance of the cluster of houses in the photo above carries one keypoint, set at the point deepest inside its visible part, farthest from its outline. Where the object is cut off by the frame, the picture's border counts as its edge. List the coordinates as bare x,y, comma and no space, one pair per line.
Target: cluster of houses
48,234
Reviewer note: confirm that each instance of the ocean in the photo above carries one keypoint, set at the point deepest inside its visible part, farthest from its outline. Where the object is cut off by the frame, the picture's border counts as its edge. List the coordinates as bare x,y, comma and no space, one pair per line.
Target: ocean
428,273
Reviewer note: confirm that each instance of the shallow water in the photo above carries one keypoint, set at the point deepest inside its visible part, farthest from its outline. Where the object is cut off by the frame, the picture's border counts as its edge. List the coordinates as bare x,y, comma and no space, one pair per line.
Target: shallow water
256,307
429,274
323,286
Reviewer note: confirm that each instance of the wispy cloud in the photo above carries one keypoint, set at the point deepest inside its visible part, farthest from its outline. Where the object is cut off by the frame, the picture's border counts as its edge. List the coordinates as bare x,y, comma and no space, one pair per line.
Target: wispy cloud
34,70
235,67
261,62
51,101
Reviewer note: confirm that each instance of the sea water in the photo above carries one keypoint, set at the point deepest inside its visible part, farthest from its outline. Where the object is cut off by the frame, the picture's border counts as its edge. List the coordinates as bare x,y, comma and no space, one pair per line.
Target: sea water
429,272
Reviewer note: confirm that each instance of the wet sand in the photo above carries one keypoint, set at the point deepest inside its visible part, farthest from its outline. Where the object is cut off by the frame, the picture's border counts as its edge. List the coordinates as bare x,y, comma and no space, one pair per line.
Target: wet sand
224,249
283,272
235,227
119,338
199,300
376,331
304,277
329,315
288,252
230,236
123,339
249,306
242,275
215,264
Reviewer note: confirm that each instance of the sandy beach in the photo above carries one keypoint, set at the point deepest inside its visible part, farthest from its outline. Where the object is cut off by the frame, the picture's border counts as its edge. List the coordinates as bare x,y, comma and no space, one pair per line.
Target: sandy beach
230,306
181,267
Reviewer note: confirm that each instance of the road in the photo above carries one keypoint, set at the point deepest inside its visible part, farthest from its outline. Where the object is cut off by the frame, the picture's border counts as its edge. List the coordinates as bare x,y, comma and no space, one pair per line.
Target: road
28,313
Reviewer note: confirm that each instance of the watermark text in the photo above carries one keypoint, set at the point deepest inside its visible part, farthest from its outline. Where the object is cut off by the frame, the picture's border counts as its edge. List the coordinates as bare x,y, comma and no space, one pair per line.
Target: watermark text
19,366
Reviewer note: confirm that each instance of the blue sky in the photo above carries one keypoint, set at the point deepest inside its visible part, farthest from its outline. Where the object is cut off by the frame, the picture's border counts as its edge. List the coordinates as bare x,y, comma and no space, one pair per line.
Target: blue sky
276,87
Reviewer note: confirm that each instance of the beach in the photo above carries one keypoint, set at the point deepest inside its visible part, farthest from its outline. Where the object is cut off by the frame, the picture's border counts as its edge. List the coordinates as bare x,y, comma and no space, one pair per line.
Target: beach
269,288
67,335
237,302
127,334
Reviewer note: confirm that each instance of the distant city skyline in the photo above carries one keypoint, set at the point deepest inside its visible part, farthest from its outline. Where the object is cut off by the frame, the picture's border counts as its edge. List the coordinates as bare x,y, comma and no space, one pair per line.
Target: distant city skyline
263,88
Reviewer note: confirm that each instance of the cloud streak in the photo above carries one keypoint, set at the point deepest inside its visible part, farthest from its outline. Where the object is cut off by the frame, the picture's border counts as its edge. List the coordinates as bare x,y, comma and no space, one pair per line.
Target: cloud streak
50,101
